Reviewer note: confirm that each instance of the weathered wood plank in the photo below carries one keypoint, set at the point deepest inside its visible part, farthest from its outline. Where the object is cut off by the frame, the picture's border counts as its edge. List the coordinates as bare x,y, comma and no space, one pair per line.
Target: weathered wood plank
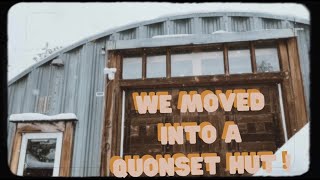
66,153
15,152
204,80
297,84
226,59
108,115
253,58
34,127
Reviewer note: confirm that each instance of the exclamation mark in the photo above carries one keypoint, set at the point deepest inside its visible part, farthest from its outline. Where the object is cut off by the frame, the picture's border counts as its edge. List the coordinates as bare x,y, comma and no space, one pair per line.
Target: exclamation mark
285,160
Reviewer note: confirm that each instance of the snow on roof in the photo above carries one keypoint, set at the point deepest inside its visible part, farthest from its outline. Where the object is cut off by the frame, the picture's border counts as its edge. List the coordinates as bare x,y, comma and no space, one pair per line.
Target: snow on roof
298,149
171,35
41,117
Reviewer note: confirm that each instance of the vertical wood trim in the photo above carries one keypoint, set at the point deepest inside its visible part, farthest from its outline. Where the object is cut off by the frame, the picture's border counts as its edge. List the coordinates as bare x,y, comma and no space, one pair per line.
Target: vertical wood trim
15,152
293,92
297,84
168,63
144,64
226,60
108,115
117,101
253,58
67,150
288,101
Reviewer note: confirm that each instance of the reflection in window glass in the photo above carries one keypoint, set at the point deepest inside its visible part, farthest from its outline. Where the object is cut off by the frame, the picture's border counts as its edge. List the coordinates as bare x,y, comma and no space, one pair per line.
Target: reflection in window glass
40,157
267,59
156,66
132,68
239,61
195,64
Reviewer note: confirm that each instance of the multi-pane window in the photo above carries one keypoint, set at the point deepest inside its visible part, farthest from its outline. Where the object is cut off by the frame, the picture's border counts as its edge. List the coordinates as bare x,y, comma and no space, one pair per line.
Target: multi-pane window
183,61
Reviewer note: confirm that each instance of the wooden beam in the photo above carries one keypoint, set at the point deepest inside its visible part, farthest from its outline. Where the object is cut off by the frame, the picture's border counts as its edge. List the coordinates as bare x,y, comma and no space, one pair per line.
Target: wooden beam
168,63
15,153
46,127
253,58
204,80
288,101
226,59
297,84
108,116
67,149
144,64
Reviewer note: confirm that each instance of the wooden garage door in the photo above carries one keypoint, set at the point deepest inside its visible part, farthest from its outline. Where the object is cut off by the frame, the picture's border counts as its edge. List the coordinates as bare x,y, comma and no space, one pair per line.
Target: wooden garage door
260,130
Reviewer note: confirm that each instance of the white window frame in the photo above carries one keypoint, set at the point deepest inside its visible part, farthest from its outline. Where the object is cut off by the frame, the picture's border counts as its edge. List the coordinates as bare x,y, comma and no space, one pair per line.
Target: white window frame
27,136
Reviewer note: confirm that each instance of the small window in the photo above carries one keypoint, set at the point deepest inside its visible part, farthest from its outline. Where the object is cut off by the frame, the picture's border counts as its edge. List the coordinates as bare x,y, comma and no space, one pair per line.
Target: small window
239,60
132,68
156,66
40,154
197,63
267,58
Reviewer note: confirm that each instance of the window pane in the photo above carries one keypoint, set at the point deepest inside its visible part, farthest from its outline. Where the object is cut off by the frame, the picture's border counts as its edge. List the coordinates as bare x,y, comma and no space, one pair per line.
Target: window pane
267,59
195,64
239,61
212,63
132,68
156,66
40,156
181,65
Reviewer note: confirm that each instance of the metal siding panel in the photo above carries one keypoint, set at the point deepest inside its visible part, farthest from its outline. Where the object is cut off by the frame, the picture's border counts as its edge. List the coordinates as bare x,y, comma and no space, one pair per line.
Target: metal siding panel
182,26
303,39
271,23
128,34
240,24
211,24
155,29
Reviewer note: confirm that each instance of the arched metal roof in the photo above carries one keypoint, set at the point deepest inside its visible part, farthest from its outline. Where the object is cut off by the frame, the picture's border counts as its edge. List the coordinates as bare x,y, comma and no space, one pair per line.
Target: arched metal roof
168,18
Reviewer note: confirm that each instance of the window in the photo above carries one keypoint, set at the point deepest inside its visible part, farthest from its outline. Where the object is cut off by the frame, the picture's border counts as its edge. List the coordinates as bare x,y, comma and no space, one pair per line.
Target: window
132,68
40,154
37,144
156,66
203,60
267,58
239,60
197,63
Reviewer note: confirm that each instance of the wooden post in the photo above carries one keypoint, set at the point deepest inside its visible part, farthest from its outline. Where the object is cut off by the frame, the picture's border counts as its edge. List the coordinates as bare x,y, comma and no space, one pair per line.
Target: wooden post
15,154
226,60
67,149
253,58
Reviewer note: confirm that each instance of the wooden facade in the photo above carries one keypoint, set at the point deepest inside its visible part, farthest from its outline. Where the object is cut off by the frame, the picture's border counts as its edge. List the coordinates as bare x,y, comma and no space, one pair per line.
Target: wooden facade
260,130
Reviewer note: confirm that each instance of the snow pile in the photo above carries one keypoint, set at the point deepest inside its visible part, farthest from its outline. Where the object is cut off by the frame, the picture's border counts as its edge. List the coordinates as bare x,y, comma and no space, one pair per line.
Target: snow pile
41,117
298,149
172,35
219,31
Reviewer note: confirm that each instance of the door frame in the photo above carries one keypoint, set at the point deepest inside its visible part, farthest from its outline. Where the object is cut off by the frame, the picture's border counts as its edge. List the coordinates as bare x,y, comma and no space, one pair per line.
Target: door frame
290,78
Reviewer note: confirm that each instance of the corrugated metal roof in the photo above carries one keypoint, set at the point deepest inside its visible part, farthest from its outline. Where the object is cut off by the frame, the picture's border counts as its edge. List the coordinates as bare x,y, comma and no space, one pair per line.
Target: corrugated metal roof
136,25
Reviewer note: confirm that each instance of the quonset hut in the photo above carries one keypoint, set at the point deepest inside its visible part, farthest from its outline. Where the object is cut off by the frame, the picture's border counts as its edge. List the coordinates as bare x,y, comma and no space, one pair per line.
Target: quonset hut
66,118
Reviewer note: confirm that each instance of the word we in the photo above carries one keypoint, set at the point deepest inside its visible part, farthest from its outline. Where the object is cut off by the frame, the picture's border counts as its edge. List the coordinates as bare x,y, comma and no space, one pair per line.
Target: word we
241,99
